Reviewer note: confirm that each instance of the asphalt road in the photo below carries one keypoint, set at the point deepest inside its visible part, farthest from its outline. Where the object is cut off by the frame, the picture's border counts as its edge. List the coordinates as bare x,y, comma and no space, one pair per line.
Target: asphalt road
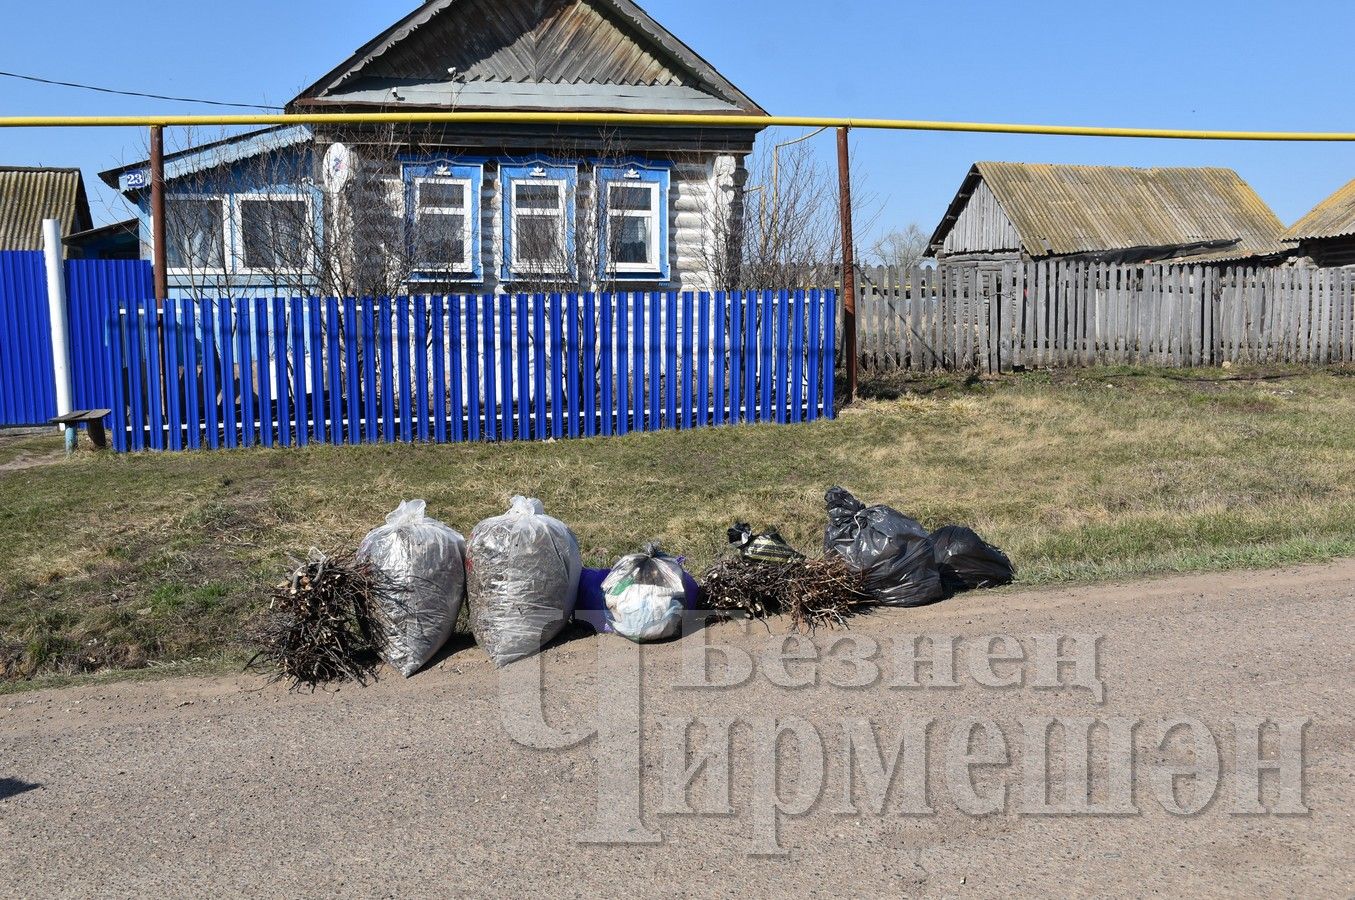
210,787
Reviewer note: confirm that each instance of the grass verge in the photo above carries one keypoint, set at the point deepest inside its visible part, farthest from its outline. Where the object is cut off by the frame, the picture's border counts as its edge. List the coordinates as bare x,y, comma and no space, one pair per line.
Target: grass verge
128,562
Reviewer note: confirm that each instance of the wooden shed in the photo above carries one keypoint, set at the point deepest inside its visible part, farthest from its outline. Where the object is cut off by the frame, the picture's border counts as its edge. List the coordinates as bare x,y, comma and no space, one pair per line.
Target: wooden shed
1326,235
1008,211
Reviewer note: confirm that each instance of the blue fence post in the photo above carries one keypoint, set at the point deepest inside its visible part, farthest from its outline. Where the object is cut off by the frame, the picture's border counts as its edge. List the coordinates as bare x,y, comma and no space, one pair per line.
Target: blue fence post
420,350
334,370
386,342
154,389
282,386
367,422
319,378
491,374
172,336
704,416
439,370
456,368
117,336
655,360
542,429
352,364
402,365
230,391
554,393
751,316
685,366
829,359
608,369
721,358
472,367
782,351
516,391
622,358
296,322
640,338
671,371
245,337
736,361
797,354
815,342
572,365
263,366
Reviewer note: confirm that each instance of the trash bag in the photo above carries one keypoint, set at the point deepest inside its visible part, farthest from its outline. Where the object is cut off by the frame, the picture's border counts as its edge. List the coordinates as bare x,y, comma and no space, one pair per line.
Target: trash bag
767,547
892,551
646,595
522,580
591,603
425,562
967,561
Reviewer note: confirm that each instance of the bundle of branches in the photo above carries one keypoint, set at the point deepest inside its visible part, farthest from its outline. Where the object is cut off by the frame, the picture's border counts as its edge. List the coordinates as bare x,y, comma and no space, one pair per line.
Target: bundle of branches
812,592
327,623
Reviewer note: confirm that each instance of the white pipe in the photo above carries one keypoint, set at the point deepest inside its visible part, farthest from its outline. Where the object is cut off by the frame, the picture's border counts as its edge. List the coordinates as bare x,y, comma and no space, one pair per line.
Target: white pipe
56,309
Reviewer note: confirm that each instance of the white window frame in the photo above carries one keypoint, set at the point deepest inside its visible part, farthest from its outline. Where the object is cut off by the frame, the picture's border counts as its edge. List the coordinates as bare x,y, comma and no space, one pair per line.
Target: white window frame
224,203
466,266
654,216
524,267
236,244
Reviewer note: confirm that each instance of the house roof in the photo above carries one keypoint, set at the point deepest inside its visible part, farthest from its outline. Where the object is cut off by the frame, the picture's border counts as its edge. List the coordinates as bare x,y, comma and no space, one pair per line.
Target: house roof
601,55
216,153
1332,218
1067,210
28,195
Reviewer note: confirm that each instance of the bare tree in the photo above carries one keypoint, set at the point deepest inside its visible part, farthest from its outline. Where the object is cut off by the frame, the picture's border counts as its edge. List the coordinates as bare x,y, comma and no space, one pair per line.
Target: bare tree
904,248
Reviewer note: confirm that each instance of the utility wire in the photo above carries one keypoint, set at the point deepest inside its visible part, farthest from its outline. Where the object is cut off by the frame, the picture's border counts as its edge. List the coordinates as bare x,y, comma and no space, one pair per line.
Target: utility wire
104,90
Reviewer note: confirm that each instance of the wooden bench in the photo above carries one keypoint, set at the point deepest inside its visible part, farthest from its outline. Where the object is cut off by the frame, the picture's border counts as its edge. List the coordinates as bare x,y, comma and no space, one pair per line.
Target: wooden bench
94,424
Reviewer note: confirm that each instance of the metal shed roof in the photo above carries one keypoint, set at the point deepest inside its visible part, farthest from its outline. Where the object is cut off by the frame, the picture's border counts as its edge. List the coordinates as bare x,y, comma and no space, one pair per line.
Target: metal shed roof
28,195
1332,218
1061,210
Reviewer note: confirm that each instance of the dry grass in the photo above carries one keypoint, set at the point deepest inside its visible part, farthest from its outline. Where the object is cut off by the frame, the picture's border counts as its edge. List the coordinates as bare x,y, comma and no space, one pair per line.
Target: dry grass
1078,476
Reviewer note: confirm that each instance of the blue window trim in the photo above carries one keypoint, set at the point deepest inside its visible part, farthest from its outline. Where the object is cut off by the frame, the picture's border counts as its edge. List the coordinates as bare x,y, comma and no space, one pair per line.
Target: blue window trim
515,169
473,170
644,171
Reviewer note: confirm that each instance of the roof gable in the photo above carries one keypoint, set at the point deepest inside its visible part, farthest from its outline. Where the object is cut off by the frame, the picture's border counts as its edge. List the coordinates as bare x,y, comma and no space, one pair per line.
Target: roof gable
519,54
1060,210
1332,218
29,195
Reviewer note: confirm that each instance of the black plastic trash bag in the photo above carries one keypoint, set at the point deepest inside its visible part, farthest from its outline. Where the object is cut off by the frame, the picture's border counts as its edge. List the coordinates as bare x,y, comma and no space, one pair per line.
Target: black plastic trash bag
967,561
767,547
894,552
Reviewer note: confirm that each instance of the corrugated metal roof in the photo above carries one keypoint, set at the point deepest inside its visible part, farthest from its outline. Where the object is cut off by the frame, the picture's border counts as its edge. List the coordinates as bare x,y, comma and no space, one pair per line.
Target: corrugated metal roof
1066,210
519,96
1333,217
29,195
217,153
542,42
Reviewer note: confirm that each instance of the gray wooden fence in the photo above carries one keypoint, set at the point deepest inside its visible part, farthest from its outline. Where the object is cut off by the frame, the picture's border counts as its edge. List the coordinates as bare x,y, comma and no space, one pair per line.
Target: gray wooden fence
1085,314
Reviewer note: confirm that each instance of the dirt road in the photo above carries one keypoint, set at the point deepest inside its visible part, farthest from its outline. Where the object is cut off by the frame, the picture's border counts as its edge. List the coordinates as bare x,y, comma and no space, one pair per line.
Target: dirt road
411,788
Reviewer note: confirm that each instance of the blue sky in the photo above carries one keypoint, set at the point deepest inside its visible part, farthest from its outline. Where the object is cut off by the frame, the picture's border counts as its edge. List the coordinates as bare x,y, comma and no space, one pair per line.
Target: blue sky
1190,63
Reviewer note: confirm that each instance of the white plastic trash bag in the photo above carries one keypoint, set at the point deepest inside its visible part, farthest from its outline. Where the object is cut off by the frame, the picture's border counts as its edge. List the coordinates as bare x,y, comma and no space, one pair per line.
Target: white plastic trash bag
646,595
425,562
522,576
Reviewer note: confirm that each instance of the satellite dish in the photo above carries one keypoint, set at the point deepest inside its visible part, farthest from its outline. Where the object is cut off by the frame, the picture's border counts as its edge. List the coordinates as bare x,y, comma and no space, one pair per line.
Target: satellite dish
337,167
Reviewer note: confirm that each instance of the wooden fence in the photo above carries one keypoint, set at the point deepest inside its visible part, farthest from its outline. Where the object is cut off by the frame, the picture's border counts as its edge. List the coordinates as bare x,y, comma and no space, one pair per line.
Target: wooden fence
278,372
1084,314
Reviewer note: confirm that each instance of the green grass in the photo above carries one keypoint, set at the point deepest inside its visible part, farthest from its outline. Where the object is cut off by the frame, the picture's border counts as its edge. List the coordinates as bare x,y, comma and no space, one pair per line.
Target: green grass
141,560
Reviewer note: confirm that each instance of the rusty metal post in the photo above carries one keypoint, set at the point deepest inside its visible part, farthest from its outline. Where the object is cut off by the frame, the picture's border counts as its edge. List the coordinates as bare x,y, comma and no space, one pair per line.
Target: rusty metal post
844,175
158,263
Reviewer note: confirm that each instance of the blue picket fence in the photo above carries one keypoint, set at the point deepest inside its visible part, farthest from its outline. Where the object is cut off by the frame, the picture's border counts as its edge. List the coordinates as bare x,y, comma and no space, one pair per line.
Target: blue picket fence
282,372
27,379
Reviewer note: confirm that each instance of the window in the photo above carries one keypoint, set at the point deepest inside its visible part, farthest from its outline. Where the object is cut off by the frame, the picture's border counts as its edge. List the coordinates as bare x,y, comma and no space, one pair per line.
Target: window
634,201
538,219
442,211
276,233
195,233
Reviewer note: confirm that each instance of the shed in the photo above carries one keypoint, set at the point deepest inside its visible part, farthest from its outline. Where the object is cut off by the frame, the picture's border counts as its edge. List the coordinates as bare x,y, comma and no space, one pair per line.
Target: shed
1326,235
28,195
1007,211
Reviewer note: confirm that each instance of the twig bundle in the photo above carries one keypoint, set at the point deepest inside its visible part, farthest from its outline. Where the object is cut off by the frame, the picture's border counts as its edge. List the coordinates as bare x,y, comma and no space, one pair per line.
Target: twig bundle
812,592
327,623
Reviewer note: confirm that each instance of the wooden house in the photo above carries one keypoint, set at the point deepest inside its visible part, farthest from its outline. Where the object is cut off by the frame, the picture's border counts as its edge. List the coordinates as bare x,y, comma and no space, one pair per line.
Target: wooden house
474,208
1006,212
1326,235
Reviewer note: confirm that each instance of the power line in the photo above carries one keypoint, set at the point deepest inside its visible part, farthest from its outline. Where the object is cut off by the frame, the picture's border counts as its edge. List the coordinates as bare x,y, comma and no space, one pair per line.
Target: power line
104,90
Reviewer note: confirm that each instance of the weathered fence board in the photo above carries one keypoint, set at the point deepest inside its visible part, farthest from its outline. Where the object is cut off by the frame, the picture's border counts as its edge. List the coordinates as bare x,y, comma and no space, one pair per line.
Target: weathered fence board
1082,314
